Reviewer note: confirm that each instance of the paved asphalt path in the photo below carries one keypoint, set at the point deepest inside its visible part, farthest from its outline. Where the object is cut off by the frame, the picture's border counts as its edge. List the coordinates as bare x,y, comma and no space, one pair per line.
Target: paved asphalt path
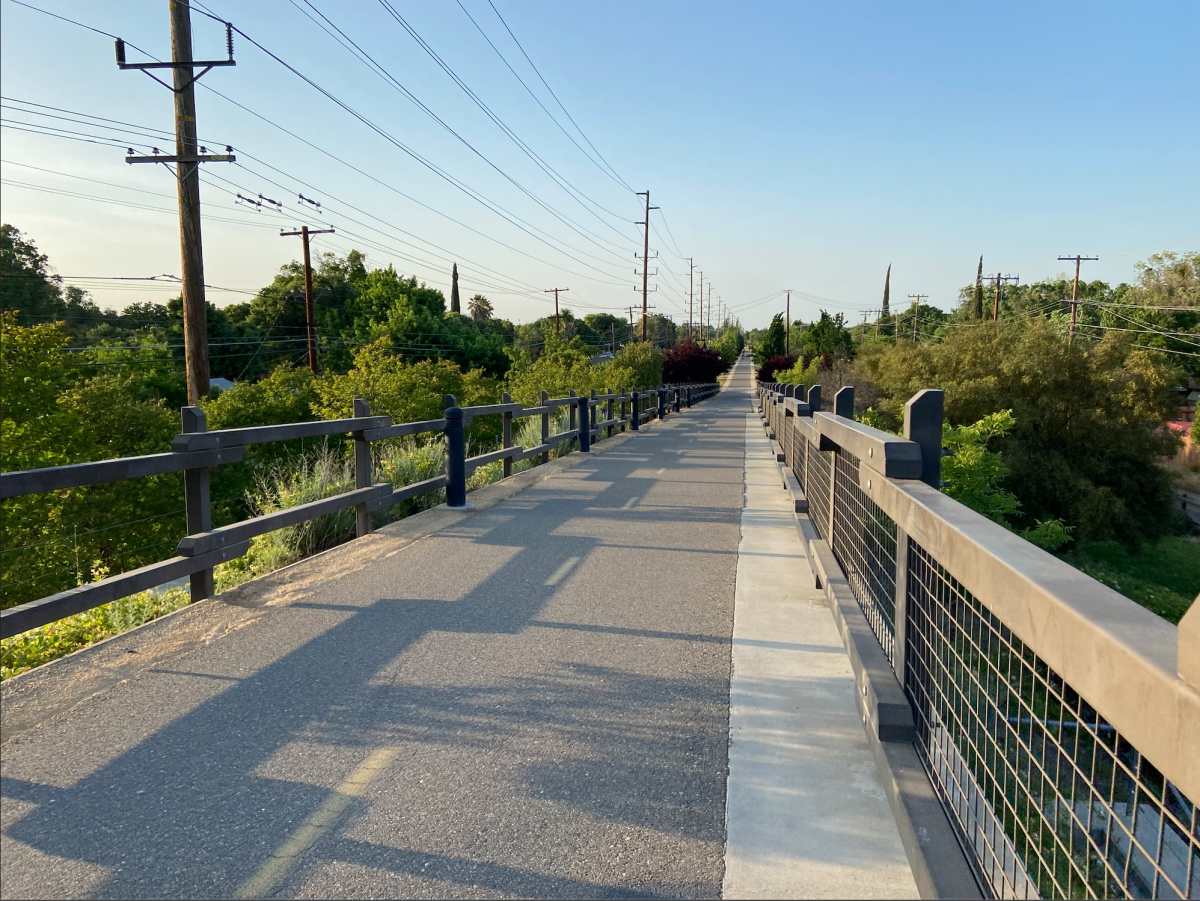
532,702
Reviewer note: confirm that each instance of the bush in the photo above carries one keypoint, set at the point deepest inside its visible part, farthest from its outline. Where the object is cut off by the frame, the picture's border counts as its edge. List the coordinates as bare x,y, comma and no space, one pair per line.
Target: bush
772,365
690,362
635,366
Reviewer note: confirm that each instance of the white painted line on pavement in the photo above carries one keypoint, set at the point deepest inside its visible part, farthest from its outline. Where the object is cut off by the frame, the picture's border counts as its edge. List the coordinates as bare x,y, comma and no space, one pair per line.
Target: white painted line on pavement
561,572
321,821
629,503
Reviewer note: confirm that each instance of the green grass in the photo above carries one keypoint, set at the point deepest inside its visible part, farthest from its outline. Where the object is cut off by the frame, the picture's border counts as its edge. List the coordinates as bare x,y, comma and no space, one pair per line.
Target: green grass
1163,576
38,646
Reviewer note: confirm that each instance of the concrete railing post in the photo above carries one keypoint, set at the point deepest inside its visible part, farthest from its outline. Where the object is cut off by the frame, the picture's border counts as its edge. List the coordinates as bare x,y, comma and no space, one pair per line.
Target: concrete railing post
636,408
923,416
585,430
814,398
456,455
197,503
1189,646
506,421
545,426
364,477
843,402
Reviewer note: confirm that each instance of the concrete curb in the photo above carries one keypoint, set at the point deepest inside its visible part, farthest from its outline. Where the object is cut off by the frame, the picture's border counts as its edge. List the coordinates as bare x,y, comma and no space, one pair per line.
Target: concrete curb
939,864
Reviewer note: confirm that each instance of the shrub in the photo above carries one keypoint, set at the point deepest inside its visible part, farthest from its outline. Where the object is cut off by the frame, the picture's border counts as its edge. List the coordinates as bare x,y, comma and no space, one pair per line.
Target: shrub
772,365
690,362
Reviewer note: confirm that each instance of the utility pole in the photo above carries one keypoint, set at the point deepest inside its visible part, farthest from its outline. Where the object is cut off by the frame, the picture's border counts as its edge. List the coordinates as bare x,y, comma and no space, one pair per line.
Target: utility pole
691,328
310,312
555,292
645,259
916,299
996,300
709,311
700,320
612,336
1075,292
787,326
187,159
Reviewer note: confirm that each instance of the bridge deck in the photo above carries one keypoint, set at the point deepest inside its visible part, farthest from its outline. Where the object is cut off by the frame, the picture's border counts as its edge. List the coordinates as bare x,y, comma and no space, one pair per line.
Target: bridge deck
531,701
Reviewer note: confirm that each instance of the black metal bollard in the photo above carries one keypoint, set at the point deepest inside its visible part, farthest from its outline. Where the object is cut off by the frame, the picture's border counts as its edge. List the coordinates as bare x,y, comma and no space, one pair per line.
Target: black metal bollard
456,456
689,396
662,403
585,427
678,400
636,411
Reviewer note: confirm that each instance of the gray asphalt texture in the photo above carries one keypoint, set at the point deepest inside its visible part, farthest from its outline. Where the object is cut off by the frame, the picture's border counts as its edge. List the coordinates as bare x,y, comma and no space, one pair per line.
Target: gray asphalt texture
564,741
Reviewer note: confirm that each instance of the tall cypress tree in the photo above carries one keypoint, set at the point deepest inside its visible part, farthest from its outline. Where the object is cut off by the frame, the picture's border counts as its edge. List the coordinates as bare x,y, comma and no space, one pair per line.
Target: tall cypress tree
885,312
979,290
455,306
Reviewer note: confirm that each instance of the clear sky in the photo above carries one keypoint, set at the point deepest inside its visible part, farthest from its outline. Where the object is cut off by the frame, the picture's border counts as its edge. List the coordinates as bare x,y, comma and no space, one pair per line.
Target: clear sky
790,145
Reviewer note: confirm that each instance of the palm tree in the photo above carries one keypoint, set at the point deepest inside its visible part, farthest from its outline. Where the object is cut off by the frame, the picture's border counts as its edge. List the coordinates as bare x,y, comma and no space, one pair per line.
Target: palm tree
479,307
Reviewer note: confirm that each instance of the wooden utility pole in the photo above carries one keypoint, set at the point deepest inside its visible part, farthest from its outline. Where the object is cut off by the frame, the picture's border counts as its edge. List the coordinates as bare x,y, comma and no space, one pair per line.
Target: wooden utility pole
996,300
555,292
700,319
691,321
709,311
645,259
310,312
787,326
1075,292
187,159
916,299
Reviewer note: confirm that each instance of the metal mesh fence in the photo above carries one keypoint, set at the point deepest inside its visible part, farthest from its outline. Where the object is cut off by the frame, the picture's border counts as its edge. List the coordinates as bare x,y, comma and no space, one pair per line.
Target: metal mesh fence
1051,799
816,488
864,543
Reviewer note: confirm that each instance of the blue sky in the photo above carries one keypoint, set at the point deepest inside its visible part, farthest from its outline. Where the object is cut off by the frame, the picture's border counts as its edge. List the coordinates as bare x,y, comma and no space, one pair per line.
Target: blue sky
790,145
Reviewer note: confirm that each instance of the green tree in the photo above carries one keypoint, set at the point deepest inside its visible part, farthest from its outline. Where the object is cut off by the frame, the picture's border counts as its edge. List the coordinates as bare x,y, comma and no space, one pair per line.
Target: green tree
479,307
828,335
979,290
772,342
636,365
455,305
885,310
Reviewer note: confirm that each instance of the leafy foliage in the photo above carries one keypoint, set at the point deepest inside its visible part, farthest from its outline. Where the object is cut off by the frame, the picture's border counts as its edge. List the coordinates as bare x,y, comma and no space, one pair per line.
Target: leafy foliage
690,362
1088,416
773,365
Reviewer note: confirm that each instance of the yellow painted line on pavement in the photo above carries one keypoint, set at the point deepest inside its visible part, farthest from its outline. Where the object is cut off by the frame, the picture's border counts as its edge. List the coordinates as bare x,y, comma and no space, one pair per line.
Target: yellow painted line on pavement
561,572
321,821
629,503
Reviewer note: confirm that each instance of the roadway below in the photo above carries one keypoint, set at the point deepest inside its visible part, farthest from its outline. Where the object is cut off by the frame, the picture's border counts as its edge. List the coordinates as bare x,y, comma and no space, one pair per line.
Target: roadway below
530,700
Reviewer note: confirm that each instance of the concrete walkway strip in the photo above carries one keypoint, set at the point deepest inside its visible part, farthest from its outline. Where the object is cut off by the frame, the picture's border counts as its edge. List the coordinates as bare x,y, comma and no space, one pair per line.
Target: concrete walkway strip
806,813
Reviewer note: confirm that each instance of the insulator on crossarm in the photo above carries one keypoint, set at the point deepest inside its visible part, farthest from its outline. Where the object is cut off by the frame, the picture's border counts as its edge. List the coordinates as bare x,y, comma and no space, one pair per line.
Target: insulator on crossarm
120,52
229,39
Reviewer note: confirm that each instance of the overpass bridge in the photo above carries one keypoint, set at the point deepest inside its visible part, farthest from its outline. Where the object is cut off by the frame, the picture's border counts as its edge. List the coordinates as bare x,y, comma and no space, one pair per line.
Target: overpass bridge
747,650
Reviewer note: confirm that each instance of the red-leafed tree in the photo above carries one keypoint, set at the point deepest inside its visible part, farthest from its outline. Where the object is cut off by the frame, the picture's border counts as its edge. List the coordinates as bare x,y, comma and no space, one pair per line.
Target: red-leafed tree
689,362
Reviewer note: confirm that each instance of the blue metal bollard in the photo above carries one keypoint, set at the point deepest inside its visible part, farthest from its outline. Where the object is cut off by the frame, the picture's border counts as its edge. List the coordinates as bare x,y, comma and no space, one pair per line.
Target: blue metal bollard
456,456
585,427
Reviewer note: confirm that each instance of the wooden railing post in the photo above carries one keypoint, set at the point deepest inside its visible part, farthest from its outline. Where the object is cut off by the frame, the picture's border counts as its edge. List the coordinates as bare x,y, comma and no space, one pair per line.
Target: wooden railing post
506,419
197,502
609,414
363,475
545,426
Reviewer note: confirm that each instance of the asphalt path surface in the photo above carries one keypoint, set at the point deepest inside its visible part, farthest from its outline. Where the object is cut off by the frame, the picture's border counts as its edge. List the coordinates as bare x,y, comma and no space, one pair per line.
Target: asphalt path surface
532,702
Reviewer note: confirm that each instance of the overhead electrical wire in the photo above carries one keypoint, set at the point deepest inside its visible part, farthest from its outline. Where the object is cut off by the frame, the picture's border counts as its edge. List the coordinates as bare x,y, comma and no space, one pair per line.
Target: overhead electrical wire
512,218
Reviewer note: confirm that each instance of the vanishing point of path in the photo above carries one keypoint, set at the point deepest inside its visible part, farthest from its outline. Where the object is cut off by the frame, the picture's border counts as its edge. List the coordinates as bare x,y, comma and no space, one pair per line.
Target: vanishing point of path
531,701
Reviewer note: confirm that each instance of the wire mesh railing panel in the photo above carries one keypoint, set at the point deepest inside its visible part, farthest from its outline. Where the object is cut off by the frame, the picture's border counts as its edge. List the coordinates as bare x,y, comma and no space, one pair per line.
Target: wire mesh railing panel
816,488
799,458
1051,799
864,543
